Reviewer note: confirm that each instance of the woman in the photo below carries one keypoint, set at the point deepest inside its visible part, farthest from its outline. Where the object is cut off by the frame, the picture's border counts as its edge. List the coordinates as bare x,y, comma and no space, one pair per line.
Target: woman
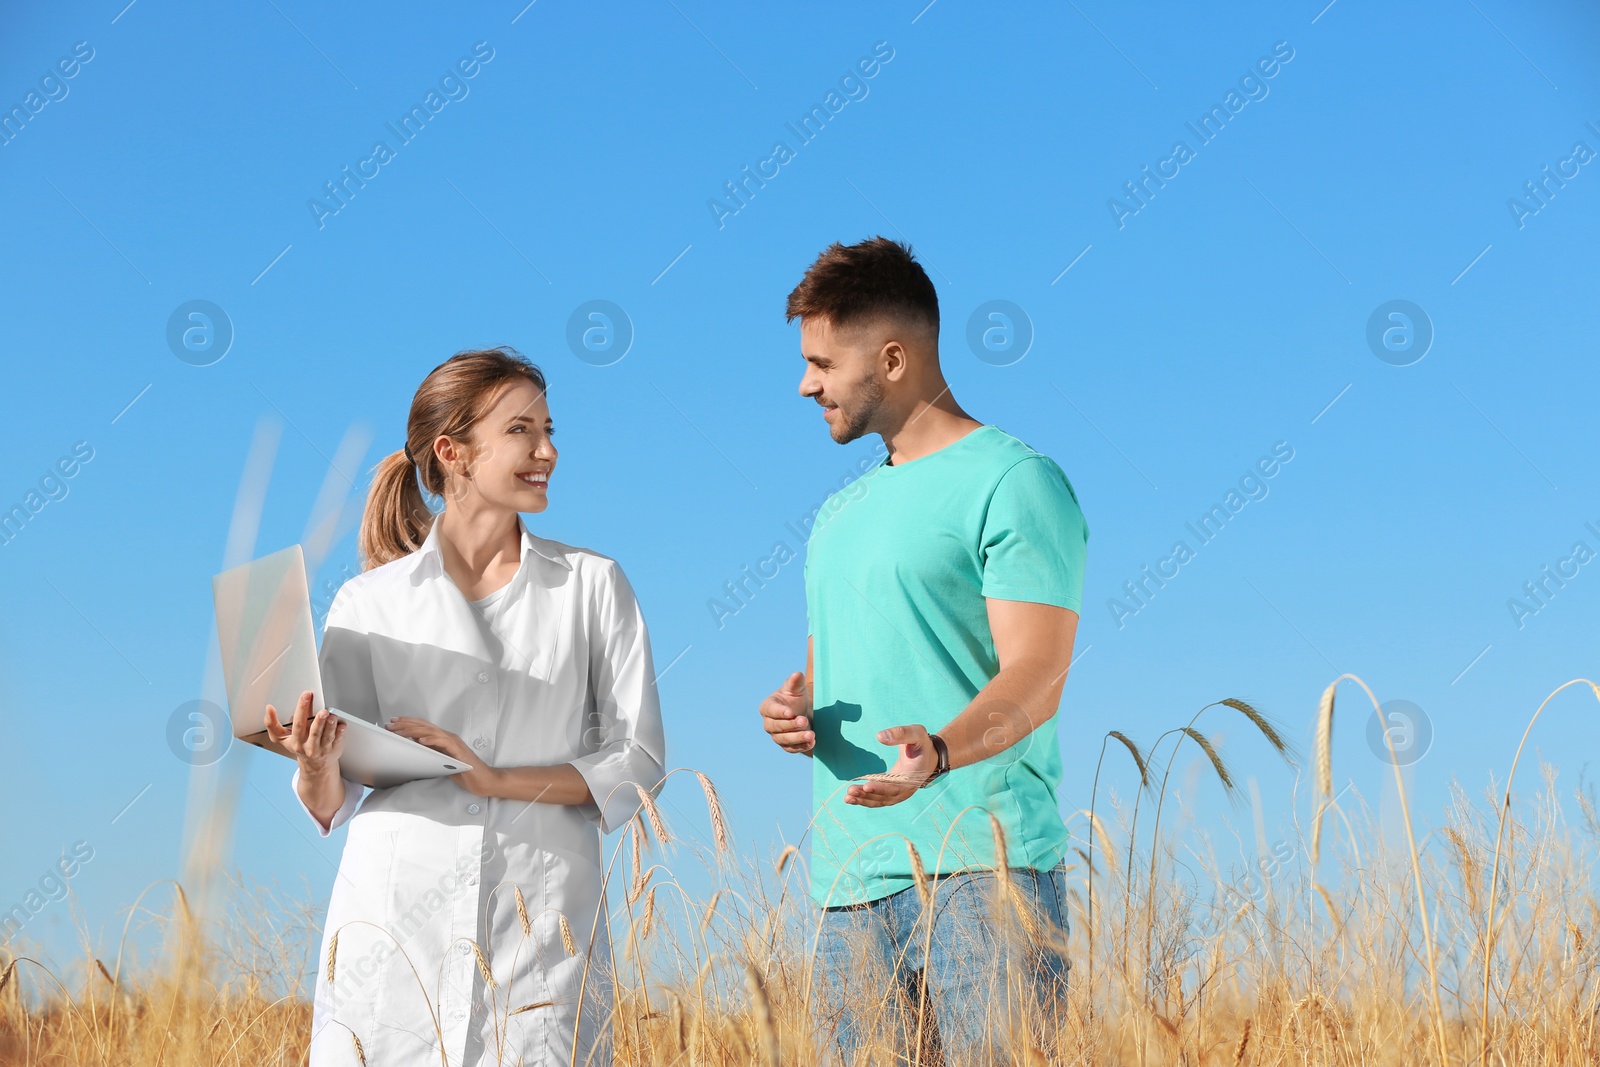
462,899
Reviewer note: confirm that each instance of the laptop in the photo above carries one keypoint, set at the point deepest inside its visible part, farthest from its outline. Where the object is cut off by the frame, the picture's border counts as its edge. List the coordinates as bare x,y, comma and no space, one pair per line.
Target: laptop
269,656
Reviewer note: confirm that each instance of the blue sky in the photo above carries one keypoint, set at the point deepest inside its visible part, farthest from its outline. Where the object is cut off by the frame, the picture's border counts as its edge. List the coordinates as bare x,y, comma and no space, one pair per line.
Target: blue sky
1172,341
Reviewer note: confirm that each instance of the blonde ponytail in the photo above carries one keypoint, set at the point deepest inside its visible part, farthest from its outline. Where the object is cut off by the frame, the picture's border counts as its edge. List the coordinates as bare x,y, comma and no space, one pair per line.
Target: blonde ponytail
448,403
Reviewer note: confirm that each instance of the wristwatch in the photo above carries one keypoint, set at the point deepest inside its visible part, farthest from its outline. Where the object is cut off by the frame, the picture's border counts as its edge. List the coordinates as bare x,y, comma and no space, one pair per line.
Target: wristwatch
943,768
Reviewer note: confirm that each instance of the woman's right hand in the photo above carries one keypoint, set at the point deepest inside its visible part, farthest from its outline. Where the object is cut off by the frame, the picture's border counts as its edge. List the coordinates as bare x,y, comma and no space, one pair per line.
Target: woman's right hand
315,740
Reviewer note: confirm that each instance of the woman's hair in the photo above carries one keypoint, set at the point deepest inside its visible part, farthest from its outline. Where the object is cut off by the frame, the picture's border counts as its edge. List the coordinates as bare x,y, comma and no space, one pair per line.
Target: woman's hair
449,402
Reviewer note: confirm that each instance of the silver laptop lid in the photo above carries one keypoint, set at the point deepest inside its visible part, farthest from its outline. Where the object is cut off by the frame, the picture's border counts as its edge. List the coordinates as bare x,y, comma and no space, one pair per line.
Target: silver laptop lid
269,647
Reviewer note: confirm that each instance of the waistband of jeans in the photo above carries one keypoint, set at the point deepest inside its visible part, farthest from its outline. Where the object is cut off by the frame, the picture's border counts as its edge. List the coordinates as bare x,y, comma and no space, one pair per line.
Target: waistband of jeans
934,879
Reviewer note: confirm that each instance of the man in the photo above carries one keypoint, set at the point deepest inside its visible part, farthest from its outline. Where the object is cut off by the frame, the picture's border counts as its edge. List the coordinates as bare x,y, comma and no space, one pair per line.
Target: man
942,592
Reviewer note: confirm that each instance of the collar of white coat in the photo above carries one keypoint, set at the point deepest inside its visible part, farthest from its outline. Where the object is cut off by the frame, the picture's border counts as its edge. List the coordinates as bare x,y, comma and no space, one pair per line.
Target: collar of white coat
431,562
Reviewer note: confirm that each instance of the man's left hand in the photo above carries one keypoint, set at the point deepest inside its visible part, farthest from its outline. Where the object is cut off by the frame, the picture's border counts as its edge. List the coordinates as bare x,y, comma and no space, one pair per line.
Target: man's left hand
918,760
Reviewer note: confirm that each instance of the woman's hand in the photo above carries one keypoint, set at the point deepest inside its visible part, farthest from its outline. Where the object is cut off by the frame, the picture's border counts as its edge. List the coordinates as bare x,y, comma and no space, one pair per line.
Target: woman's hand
317,741
480,779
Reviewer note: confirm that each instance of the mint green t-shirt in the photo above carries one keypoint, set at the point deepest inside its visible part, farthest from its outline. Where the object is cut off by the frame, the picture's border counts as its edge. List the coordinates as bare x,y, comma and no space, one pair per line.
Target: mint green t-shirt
898,566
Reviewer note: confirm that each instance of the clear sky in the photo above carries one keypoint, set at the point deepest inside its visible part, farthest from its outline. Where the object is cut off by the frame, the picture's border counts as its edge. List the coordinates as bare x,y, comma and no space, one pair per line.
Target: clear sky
1158,340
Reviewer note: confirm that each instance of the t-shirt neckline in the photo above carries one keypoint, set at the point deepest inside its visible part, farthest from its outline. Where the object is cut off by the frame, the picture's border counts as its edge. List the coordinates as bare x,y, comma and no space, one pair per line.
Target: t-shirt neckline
488,600
887,466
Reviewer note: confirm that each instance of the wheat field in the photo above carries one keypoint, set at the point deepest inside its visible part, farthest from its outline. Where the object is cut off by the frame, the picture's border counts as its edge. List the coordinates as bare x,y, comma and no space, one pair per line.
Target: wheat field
1355,941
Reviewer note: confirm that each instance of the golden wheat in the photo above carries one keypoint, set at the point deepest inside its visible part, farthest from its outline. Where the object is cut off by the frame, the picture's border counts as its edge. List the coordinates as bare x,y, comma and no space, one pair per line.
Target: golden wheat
1284,977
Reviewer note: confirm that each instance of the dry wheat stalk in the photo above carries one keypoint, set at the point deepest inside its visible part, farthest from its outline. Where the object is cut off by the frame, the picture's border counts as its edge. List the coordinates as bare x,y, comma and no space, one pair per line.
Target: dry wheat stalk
333,948
1327,902
711,909
1324,766
522,911
678,1031
1262,723
531,1007
919,875
566,936
654,814
361,1053
483,966
649,913
1133,750
719,826
636,854
1002,867
789,851
761,1009
1211,754
1244,1043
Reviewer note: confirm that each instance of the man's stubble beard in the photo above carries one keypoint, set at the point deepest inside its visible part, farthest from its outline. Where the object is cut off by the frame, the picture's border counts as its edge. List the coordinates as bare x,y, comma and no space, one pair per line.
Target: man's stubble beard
865,413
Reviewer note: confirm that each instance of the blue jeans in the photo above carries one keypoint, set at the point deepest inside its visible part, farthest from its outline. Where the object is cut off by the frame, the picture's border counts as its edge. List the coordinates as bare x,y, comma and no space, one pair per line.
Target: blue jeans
983,973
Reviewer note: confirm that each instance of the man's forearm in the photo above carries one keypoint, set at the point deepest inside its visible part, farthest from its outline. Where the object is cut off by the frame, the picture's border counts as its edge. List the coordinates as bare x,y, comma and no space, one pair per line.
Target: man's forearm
1018,700
322,792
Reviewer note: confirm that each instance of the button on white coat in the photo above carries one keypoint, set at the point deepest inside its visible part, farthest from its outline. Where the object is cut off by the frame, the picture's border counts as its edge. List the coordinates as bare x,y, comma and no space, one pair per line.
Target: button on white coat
480,743
568,648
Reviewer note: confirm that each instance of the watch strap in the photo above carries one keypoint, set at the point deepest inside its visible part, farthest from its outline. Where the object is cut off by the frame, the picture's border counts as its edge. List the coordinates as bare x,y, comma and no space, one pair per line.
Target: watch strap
943,752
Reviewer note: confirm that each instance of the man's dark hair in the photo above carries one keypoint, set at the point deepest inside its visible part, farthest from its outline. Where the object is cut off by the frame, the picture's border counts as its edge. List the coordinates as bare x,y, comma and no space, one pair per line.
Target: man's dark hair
853,283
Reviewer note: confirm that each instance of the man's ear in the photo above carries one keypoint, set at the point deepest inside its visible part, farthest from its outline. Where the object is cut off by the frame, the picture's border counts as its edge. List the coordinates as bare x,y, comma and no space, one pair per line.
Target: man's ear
895,360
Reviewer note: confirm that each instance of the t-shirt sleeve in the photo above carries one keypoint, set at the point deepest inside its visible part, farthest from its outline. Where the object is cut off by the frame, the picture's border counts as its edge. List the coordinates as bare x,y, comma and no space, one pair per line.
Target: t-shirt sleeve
1034,537
805,574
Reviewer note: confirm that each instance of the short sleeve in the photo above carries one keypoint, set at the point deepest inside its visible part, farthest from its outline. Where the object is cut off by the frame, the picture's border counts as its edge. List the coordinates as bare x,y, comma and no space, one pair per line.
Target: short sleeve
623,737
1034,537
345,663
805,578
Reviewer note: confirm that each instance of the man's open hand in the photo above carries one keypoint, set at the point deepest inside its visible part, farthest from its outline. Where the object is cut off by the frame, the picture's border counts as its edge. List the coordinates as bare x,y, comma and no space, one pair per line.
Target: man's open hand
786,715
918,760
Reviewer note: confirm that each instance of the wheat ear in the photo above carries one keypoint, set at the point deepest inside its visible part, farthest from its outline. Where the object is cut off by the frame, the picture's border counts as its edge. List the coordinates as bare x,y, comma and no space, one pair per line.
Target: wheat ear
919,875
761,1008
1244,1043
483,966
522,911
719,825
1324,766
654,814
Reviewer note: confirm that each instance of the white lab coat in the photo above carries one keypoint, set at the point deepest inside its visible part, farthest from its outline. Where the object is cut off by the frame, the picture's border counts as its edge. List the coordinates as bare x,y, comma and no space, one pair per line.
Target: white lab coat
433,867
